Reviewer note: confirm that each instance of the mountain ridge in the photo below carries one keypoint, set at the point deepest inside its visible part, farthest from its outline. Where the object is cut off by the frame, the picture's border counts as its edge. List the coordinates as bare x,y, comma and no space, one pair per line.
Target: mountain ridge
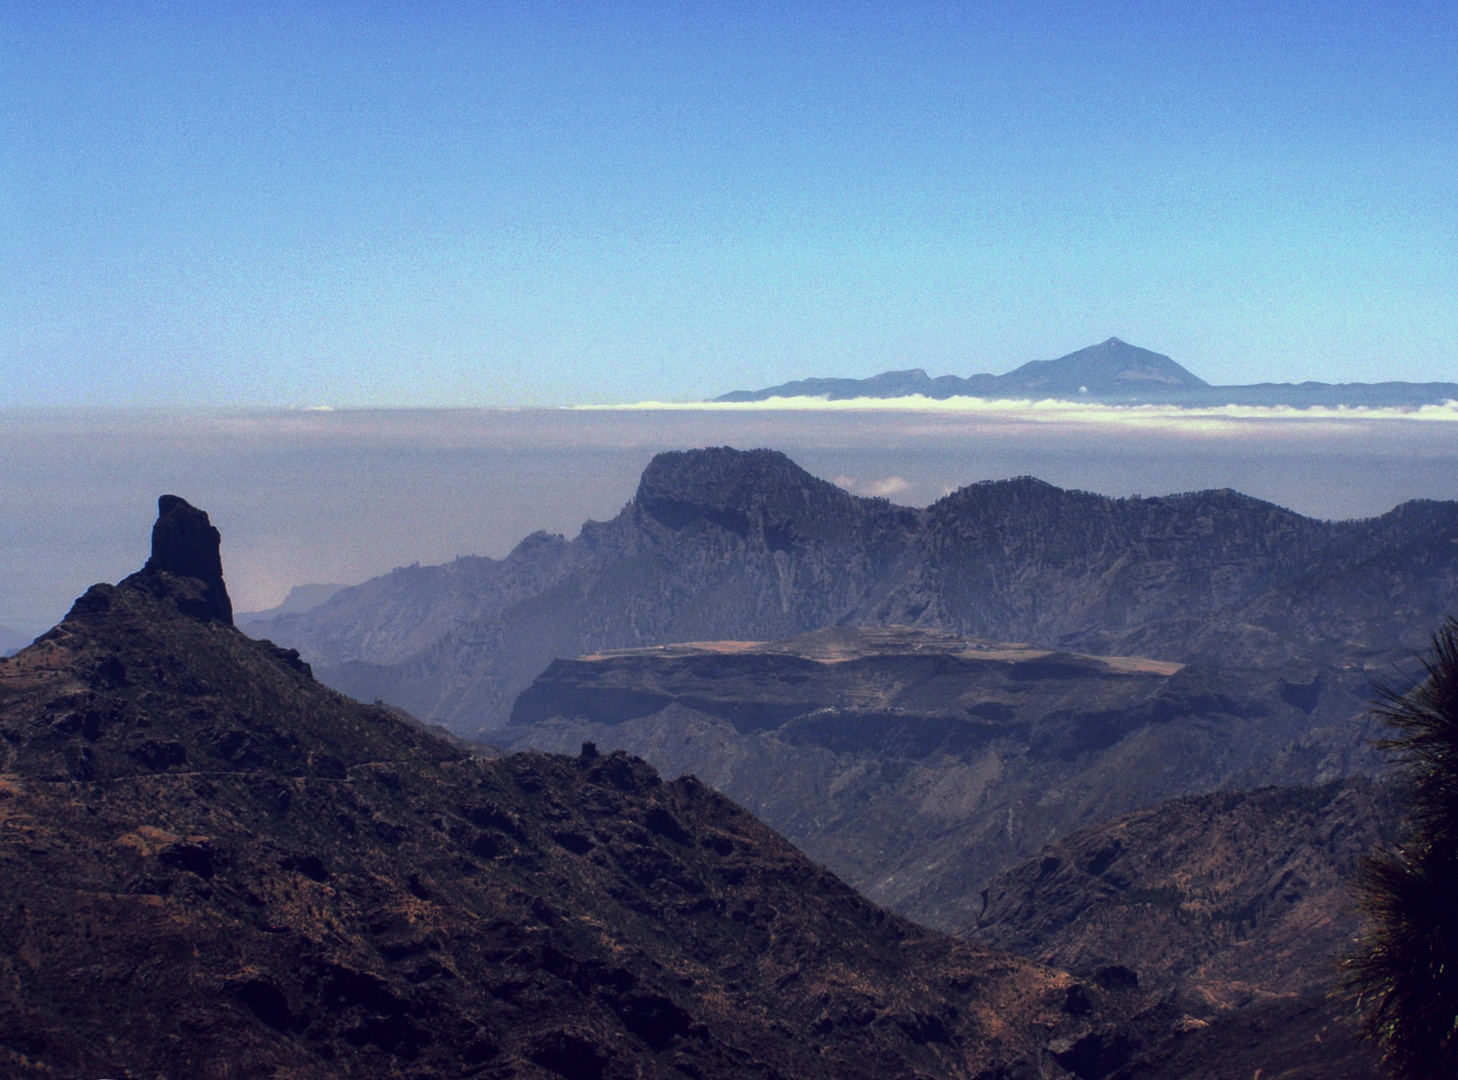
918,764
212,865
726,544
1111,372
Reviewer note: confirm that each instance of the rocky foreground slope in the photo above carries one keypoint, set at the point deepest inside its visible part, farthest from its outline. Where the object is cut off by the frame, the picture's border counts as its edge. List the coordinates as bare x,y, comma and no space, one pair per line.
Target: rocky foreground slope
1225,897
916,764
728,545
213,866
1238,904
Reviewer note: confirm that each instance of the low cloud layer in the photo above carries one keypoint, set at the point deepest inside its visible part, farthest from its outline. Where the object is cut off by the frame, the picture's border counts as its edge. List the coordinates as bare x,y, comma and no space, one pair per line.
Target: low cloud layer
884,487
1051,411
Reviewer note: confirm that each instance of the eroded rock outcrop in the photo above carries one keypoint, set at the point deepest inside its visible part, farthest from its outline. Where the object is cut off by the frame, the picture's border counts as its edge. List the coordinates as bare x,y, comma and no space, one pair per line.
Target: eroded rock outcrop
186,563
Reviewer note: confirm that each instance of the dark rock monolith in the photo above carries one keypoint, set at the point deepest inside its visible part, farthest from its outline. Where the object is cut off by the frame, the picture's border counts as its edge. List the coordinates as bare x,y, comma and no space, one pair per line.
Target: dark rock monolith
185,544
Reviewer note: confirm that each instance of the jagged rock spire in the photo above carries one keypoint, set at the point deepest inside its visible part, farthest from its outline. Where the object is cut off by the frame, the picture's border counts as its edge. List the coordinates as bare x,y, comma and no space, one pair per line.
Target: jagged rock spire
186,544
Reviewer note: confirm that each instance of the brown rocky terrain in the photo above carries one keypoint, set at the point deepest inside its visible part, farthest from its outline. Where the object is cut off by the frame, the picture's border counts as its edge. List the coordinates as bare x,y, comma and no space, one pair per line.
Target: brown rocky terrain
1237,904
213,866
1225,897
1308,1037
727,545
913,763
918,764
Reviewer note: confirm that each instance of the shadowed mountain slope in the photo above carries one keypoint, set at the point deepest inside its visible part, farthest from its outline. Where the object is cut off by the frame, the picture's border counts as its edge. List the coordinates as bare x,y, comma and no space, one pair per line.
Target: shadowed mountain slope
1237,903
1223,897
213,866
917,764
722,544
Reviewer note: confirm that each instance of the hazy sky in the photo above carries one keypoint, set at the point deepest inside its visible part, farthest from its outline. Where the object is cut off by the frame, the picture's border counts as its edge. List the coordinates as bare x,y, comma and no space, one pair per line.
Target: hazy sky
438,203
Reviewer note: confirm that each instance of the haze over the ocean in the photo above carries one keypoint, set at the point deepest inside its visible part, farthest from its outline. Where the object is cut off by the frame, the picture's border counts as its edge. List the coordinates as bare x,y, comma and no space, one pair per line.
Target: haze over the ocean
337,497
466,204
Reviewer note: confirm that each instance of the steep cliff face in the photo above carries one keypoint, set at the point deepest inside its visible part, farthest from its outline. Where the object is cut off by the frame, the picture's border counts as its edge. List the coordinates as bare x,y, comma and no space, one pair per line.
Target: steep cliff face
211,865
1370,603
721,544
918,764
1027,561
186,563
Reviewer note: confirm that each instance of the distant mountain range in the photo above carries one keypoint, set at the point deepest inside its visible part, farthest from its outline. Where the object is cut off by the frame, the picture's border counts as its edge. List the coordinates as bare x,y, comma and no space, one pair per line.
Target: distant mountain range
212,866
215,866
724,544
919,763
1112,372
301,598
12,640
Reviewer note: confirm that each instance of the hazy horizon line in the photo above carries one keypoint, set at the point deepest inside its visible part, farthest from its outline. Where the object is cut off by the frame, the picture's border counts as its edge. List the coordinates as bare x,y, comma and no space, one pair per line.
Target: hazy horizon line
1055,409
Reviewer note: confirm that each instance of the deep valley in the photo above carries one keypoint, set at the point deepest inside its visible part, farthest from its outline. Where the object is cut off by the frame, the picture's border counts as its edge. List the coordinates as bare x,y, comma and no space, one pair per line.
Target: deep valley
1079,785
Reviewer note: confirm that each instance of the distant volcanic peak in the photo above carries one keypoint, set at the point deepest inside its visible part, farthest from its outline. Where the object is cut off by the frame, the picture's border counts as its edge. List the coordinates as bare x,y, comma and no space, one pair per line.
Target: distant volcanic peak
186,544
1111,365
1112,369
910,381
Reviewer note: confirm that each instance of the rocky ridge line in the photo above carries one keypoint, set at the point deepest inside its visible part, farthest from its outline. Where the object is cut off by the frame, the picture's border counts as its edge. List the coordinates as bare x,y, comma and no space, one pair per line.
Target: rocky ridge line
211,865
721,545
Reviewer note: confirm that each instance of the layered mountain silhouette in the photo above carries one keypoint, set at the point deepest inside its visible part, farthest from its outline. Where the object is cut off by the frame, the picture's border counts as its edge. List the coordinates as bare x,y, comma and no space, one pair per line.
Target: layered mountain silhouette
300,598
723,544
211,865
1112,372
917,765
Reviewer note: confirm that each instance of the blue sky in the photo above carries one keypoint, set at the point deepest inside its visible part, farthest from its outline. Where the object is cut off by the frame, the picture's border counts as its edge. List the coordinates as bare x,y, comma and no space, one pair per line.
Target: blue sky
466,204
